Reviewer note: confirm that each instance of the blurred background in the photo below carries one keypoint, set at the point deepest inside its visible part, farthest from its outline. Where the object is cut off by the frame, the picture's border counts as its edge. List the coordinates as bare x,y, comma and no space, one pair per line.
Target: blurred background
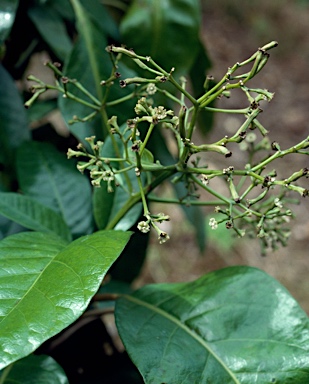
232,31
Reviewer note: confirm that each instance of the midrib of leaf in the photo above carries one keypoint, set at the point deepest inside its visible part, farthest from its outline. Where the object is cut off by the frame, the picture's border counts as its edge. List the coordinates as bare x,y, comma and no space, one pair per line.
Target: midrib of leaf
157,23
263,341
177,322
85,31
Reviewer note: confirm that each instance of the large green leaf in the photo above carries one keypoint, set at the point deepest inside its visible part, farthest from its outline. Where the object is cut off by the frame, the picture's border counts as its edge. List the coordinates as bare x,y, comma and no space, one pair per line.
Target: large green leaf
86,63
165,26
52,29
89,63
103,19
46,284
33,215
48,176
34,369
13,121
232,326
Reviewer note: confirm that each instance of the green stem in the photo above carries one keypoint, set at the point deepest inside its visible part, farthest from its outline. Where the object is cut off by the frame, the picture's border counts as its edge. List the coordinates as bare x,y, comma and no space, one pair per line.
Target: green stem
211,191
149,132
145,206
184,201
133,199
120,100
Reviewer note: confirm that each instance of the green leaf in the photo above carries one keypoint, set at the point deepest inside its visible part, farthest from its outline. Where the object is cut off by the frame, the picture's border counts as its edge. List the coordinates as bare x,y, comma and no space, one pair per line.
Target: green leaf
102,202
232,326
32,215
34,369
198,73
46,285
148,23
102,18
89,63
194,214
40,109
8,10
49,177
52,29
107,205
13,121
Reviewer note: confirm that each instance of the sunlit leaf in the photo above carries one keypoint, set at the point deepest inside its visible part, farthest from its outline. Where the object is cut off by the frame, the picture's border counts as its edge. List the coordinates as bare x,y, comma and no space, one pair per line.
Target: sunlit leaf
46,284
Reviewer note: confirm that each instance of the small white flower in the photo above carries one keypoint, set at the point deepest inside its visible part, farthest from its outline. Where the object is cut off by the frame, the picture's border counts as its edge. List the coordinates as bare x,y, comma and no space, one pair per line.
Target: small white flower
143,226
213,223
161,113
108,176
278,203
163,237
151,89
204,179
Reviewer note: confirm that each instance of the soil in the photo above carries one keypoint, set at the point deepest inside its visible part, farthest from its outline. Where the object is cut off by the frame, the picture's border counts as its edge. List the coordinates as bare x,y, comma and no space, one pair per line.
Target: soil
232,31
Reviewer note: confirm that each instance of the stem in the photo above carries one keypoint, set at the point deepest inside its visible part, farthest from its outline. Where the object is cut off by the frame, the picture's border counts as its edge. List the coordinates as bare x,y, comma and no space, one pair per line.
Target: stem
149,132
133,199
211,191
120,100
145,206
184,201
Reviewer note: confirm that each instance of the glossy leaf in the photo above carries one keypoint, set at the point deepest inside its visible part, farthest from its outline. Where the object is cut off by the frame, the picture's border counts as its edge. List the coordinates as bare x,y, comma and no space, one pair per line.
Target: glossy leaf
52,29
46,284
49,177
232,326
32,215
13,121
159,28
7,16
34,369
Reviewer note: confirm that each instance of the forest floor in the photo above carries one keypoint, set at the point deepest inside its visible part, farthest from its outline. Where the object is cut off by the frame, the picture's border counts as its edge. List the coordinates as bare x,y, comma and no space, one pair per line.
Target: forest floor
232,31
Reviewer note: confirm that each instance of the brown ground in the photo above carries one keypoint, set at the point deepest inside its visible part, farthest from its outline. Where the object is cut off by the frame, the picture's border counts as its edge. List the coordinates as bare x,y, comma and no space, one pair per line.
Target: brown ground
232,31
